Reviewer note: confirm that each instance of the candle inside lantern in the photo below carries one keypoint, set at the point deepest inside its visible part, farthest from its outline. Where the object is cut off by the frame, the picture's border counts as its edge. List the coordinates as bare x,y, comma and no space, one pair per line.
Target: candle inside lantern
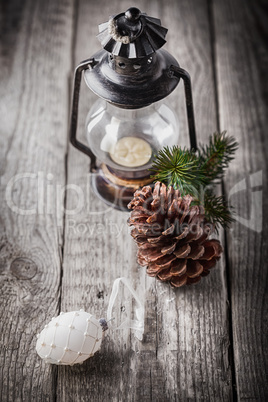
131,152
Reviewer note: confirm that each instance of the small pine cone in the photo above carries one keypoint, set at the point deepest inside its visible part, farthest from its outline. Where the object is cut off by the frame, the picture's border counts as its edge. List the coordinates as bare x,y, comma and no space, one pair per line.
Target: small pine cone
172,236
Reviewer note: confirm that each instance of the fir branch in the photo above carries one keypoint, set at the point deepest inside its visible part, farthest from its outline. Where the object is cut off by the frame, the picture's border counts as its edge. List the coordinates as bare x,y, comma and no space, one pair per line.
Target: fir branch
215,157
178,168
217,210
188,172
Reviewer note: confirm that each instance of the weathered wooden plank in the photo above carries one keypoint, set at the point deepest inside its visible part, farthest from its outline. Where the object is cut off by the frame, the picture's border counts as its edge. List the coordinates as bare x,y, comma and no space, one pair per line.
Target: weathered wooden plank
241,52
35,61
184,354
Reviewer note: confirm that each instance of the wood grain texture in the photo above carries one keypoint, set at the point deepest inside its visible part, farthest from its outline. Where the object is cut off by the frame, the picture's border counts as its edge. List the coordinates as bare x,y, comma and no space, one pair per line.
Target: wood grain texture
241,35
184,354
185,351
35,61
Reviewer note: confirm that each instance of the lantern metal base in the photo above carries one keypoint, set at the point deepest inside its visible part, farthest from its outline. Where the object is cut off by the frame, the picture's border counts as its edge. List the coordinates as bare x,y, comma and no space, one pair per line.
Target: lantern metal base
115,191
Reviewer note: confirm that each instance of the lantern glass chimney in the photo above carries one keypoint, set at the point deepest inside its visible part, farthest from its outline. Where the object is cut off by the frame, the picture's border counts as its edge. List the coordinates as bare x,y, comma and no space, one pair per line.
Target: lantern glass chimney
127,139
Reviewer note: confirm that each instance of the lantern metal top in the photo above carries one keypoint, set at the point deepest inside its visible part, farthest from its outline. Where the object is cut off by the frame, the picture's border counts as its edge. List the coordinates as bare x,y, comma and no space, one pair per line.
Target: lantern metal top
132,34
132,71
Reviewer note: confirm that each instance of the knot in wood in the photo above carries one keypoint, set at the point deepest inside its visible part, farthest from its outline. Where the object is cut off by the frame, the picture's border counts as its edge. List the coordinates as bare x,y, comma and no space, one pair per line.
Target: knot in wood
23,268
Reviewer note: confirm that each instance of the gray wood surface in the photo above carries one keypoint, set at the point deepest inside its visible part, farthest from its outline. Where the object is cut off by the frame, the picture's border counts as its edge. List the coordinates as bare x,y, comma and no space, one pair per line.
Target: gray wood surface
35,63
241,33
204,342
179,325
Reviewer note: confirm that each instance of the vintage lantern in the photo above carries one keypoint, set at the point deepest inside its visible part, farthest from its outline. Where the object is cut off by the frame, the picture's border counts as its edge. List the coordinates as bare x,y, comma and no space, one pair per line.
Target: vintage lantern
131,75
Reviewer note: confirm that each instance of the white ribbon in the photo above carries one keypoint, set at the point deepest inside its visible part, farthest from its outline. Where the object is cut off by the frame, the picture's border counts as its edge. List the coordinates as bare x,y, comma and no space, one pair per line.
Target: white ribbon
138,324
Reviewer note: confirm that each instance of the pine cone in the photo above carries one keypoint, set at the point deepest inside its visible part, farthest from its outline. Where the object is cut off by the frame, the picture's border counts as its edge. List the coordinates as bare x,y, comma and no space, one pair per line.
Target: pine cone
172,235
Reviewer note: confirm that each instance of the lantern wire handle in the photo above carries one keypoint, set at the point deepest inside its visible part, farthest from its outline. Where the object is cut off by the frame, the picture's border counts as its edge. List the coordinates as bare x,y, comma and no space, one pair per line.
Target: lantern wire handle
181,73
84,65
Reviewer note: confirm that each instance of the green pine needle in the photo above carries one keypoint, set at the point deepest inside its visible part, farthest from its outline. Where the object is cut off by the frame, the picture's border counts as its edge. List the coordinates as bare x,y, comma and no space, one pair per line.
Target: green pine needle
217,211
178,168
215,157
188,172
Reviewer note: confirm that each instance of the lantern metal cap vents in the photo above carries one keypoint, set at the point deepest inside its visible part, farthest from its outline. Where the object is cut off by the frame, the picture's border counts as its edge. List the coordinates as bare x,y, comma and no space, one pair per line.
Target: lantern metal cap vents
131,71
132,34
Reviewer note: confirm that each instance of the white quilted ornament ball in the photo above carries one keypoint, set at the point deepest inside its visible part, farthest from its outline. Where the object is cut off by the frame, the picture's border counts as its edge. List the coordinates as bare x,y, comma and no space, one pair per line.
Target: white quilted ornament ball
70,338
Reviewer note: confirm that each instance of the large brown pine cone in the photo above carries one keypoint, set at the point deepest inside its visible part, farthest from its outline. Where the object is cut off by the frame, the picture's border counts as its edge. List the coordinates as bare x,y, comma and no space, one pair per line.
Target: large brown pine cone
172,235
